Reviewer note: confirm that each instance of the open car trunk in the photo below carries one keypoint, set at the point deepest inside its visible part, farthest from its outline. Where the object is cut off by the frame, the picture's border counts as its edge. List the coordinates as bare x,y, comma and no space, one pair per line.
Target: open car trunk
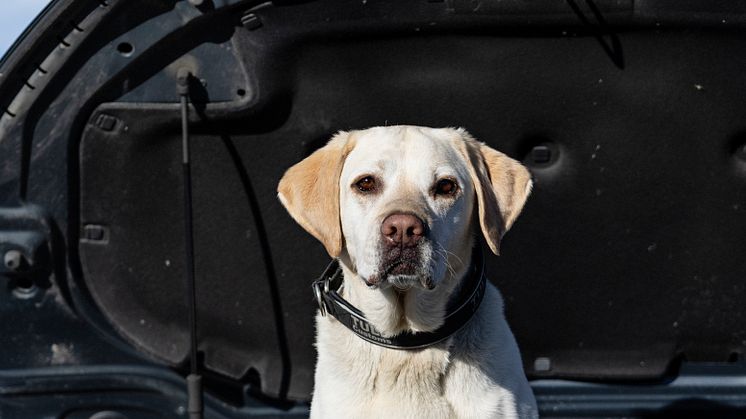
624,278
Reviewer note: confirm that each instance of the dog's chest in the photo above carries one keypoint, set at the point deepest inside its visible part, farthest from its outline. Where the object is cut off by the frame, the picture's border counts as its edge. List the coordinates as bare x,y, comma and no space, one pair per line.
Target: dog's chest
376,379
394,370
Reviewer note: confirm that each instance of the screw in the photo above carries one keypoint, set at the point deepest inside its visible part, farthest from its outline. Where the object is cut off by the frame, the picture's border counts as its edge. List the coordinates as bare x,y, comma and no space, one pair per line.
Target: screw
13,260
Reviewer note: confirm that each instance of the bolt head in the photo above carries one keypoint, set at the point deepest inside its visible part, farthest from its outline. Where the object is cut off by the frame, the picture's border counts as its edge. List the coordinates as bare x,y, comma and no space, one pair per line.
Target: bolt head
13,260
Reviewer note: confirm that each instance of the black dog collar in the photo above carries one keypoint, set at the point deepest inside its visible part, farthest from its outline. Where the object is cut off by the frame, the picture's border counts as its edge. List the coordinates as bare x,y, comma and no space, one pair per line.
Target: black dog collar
326,291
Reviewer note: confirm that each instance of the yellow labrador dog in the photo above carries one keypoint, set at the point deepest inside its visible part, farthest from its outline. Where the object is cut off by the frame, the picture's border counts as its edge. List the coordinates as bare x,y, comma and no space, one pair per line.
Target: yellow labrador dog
415,331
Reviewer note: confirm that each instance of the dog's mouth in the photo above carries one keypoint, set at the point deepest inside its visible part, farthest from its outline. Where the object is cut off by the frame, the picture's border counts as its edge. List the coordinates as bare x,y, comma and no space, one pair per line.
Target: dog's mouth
400,283
402,270
403,283
401,267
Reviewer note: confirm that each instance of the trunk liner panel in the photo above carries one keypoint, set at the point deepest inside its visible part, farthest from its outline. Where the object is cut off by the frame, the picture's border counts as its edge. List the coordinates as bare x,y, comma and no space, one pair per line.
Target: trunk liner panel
627,257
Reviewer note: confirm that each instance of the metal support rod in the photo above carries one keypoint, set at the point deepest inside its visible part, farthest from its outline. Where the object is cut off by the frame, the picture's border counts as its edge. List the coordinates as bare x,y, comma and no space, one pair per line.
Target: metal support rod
195,406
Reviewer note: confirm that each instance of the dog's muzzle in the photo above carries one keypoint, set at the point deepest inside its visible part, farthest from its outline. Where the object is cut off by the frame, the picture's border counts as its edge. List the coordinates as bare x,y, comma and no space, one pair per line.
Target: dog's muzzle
401,237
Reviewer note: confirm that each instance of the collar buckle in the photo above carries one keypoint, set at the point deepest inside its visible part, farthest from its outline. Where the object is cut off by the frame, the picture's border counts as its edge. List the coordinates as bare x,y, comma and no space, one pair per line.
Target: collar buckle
322,285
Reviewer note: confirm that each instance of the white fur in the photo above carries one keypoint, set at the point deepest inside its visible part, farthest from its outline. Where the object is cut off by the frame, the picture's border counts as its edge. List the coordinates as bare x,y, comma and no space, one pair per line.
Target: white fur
477,373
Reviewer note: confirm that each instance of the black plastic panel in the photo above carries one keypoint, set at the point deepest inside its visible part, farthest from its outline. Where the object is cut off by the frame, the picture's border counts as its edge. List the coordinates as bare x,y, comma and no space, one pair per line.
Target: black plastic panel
628,255
135,180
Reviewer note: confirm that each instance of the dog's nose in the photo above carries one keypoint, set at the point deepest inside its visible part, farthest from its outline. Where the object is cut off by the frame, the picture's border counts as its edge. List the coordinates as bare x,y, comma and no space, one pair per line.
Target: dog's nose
402,229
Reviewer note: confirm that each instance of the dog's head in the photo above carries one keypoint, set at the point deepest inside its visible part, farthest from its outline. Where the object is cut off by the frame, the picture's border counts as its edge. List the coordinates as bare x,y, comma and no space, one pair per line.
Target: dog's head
400,205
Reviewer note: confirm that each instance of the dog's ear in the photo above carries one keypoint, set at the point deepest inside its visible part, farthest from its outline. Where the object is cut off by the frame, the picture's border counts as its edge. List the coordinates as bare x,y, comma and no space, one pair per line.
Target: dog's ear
502,186
310,192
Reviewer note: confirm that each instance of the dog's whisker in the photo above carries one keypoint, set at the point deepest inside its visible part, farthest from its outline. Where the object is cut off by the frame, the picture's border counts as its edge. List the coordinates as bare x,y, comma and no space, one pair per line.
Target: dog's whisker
440,249
449,253
442,252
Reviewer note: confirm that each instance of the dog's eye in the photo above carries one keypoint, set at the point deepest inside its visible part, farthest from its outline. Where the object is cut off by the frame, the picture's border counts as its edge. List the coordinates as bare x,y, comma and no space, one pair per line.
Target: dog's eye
445,187
366,184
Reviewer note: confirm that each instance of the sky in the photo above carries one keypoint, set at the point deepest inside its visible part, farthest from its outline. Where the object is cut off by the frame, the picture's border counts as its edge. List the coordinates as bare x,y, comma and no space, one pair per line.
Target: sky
14,17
